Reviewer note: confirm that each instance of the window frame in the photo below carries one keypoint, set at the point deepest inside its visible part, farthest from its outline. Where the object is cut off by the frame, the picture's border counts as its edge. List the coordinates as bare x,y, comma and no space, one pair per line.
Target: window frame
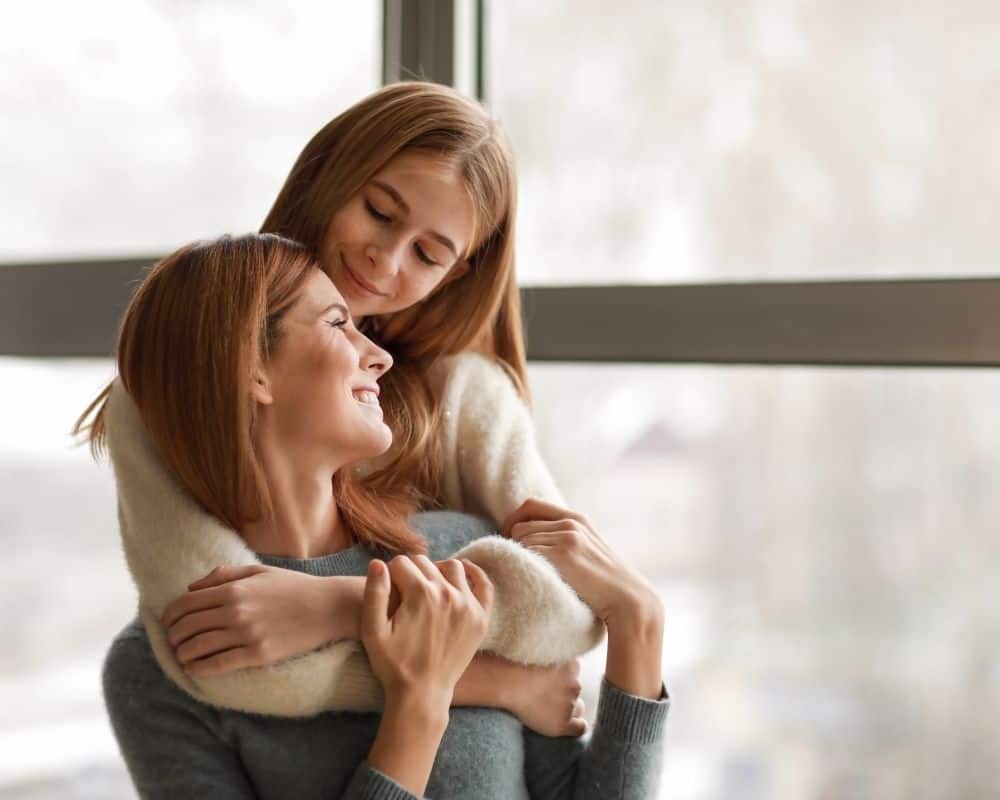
71,308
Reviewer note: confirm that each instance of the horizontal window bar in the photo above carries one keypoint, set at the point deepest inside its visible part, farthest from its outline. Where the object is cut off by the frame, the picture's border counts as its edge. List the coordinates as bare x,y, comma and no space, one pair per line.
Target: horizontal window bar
72,309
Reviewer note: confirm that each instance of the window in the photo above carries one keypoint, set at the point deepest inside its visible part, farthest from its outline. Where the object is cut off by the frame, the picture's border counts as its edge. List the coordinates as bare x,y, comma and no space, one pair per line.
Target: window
826,546
702,141
132,126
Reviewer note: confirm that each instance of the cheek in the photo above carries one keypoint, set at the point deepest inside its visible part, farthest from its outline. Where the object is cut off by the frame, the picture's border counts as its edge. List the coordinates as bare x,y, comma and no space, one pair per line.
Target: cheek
420,283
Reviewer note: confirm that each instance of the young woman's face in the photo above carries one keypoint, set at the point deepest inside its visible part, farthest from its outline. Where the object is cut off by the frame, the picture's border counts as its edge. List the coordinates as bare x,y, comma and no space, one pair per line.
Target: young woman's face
401,236
320,386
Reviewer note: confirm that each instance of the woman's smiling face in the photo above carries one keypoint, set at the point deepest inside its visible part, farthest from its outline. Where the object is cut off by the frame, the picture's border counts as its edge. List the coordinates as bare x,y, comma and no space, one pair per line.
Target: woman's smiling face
321,383
404,234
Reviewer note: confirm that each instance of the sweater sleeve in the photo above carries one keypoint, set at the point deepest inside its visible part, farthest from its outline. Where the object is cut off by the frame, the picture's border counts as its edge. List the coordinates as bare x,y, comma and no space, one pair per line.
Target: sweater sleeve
170,541
492,461
621,759
175,748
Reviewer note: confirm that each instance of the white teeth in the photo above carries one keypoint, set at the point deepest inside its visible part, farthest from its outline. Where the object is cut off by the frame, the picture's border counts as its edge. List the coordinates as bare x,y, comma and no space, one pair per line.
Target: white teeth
366,396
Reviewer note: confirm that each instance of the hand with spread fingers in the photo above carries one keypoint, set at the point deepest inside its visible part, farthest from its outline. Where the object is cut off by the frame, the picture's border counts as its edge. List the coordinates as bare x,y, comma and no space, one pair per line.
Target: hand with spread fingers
618,593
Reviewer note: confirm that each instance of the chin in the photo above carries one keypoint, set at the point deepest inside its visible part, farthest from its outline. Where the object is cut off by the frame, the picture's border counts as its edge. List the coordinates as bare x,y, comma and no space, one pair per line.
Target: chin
380,441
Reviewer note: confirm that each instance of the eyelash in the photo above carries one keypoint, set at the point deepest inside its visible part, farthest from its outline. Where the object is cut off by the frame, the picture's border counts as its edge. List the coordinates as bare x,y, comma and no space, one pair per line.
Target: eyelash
339,324
385,218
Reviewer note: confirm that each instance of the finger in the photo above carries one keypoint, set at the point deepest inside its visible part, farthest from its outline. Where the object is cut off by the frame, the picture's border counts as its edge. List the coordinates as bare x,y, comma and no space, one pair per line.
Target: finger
194,623
453,571
427,567
375,614
406,575
221,663
554,538
199,600
479,584
536,509
547,551
522,529
207,644
224,574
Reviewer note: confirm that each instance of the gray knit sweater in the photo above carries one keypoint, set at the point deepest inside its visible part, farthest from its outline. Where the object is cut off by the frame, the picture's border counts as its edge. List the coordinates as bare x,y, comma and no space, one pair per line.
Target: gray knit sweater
176,747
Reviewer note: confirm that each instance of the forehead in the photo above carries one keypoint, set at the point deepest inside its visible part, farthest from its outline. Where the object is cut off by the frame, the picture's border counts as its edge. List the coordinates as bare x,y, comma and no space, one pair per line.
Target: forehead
318,293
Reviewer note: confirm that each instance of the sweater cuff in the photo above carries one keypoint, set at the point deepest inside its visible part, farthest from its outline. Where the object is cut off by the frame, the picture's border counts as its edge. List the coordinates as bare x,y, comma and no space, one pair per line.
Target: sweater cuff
370,784
628,718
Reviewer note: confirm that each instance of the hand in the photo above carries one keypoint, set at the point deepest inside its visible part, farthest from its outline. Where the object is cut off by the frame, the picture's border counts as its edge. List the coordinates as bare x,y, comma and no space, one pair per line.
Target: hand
604,582
618,594
547,699
238,617
425,646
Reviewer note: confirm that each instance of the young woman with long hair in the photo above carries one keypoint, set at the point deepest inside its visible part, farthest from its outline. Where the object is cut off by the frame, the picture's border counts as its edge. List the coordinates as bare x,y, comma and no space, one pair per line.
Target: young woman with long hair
258,393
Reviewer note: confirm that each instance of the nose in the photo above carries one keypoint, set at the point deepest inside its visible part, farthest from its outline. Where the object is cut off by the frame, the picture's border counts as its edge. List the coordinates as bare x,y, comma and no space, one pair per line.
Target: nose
384,259
374,359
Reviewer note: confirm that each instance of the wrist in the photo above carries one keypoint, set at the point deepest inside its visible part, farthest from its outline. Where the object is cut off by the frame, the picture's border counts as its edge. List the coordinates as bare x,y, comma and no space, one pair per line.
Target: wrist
343,599
635,648
423,708
639,613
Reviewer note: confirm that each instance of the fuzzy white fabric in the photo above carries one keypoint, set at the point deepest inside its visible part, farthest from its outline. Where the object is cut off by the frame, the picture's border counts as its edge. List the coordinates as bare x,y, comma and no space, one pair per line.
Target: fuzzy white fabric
492,465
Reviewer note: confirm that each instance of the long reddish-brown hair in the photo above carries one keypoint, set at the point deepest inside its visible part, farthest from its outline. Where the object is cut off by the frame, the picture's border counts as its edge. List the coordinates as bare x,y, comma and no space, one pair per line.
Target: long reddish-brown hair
195,331
479,310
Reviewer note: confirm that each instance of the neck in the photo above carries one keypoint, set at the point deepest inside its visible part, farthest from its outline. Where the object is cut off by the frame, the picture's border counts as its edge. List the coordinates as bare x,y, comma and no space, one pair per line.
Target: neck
306,522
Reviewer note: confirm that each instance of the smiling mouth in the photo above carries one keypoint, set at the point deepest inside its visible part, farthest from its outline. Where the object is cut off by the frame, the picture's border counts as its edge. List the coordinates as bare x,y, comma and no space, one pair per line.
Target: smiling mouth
367,397
359,281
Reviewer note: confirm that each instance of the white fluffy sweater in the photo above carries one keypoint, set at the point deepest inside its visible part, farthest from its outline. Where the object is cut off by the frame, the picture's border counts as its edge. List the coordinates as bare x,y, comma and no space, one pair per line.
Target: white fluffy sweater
492,465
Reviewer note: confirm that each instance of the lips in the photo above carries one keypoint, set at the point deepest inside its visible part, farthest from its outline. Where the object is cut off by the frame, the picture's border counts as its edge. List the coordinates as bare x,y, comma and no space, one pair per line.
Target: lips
358,281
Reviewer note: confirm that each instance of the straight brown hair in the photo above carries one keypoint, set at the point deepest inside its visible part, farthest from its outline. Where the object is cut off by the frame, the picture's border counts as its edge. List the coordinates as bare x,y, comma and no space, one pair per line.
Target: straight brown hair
477,311
194,333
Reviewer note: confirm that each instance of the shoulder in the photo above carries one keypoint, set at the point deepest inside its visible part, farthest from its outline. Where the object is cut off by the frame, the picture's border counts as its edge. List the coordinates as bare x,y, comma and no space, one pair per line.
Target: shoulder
132,680
471,374
129,662
447,532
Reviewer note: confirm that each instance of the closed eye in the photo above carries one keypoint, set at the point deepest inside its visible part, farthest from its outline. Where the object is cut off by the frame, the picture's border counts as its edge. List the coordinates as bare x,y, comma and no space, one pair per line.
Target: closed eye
424,257
376,213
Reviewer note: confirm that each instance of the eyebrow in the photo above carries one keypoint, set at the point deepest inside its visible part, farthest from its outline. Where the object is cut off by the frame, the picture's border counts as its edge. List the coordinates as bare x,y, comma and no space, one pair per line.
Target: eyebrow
390,190
338,307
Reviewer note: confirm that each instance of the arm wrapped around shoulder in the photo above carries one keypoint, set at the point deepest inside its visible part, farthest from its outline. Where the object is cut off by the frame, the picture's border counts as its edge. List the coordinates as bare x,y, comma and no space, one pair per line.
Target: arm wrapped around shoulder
537,619
170,541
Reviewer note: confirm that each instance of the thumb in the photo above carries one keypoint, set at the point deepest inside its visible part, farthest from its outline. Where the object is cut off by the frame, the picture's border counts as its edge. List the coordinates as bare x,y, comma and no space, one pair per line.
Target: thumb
375,614
224,574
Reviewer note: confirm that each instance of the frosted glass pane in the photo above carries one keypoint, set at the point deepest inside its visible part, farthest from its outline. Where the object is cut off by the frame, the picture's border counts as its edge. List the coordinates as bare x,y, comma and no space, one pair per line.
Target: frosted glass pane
827,549
704,139
132,126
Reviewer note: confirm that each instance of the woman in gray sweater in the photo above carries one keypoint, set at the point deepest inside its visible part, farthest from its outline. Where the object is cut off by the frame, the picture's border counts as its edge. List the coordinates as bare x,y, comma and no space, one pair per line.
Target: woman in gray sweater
252,381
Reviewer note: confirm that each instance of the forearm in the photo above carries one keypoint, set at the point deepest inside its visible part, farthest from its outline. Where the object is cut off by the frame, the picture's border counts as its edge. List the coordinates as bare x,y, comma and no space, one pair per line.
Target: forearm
486,683
408,739
635,648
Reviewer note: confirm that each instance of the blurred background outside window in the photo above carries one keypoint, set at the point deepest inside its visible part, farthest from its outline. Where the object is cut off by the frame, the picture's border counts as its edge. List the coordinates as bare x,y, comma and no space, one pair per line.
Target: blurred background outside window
825,540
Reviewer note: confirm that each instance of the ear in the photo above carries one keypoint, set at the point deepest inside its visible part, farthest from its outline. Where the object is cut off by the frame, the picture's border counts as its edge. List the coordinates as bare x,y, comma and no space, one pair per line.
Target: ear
260,388
456,272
